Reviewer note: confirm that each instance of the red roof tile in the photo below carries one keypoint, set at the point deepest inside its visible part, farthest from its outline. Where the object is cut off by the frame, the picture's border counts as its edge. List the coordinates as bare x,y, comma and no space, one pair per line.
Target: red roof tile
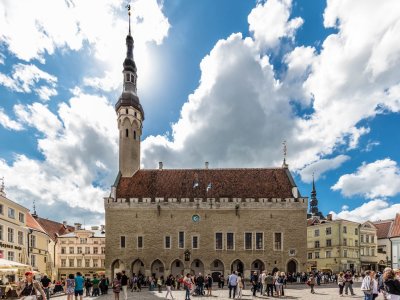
193,183
53,228
395,232
32,223
383,228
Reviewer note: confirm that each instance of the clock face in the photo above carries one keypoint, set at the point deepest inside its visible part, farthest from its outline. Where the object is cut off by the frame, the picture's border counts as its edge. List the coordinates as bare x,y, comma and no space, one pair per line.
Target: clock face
195,218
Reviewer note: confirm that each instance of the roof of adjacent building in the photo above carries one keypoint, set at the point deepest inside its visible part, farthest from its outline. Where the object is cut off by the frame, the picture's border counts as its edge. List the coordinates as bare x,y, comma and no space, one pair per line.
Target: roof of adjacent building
211,183
383,228
395,231
54,229
96,233
32,223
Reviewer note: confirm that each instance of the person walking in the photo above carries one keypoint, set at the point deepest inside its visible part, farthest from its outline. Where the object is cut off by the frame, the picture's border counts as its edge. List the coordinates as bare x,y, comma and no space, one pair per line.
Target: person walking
240,286
232,284
254,282
311,283
95,286
29,287
69,287
88,285
45,281
209,281
374,278
124,284
116,286
168,284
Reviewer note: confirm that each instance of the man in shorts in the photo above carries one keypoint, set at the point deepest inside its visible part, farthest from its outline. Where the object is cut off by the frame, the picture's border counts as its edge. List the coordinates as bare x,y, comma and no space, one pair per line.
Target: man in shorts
79,281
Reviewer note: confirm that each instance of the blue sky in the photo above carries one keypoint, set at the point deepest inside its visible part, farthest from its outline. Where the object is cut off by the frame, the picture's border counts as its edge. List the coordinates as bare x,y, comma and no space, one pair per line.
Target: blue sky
220,81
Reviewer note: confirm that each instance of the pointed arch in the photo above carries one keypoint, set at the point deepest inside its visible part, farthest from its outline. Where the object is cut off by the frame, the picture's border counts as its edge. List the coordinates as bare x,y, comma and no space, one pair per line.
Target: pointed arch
237,265
177,267
197,267
157,268
117,266
138,267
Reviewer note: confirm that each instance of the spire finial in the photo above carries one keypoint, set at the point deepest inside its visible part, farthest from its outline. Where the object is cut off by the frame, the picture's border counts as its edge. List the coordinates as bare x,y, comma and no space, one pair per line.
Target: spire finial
128,6
34,209
2,191
284,165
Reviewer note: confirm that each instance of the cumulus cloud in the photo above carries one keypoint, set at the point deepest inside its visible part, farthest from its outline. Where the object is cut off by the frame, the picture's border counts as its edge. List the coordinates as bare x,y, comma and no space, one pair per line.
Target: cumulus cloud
321,166
377,209
79,150
269,22
27,78
8,123
378,179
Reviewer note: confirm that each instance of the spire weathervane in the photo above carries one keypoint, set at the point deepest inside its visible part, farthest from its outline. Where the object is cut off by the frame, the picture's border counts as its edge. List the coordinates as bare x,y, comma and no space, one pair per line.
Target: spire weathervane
2,192
129,15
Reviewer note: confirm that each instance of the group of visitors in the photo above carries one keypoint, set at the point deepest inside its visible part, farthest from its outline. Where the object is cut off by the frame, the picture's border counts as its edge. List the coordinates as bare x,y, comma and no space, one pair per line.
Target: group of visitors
387,283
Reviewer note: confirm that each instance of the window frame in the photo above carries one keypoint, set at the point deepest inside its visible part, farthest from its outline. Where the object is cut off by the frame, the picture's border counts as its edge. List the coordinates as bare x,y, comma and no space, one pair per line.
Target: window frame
245,240
233,241
198,241
262,241
274,242
183,239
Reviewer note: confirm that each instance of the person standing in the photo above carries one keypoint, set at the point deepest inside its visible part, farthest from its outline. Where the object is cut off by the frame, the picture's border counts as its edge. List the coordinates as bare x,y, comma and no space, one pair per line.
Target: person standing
367,286
96,284
348,283
261,283
340,281
168,284
269,281
221,281
124,284
46,285
392,285
29,287
209,285
79,282
69,287
375,292
232,284
187,285
88,285
116,285
254,282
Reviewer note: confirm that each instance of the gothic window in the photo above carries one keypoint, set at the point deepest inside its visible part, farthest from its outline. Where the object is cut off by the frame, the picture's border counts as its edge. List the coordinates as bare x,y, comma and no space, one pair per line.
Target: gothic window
126,111
126,132
134,135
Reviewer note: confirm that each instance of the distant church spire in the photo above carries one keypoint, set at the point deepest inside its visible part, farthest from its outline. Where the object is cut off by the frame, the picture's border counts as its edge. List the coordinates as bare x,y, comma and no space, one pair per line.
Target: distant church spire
284,164
34,209
2,190
314,201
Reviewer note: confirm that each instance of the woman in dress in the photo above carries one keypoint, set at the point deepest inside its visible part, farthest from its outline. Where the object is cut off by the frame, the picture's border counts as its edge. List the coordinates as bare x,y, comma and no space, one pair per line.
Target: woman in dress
239,286
69,287
116,286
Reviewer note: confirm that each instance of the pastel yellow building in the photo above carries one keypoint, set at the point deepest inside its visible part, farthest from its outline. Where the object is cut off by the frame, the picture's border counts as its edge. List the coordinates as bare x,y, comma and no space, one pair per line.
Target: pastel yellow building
13,230
39,247
333,245
368,246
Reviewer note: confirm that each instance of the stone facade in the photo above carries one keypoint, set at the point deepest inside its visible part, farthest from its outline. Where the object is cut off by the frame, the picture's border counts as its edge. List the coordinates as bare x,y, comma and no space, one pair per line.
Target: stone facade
153,222
368,247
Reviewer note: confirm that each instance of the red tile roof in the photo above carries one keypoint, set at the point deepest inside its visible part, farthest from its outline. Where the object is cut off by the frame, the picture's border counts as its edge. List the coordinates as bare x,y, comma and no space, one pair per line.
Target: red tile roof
395,232
193,183
32,223
383,228
53,228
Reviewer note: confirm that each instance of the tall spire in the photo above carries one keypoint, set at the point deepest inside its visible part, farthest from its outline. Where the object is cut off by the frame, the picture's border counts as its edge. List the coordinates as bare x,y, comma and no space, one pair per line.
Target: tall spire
129,15
284,164
2,191
34,209
314,200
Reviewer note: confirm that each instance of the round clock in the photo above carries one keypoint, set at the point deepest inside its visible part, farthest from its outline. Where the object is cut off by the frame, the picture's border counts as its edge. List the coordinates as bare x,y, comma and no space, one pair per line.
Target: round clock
195,218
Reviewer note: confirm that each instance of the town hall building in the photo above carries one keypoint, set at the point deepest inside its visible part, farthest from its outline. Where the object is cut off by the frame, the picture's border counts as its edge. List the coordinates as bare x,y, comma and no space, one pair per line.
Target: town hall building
214,221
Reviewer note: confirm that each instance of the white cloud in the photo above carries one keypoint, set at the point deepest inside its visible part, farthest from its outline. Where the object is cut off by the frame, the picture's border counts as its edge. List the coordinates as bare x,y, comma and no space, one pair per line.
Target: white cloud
67,25
7,123
378,179
373,210
321,166
269,22
79,146
28,78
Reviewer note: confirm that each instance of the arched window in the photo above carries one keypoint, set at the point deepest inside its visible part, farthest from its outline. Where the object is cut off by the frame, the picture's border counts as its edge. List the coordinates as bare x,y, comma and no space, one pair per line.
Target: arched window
126,132
126,111
134,135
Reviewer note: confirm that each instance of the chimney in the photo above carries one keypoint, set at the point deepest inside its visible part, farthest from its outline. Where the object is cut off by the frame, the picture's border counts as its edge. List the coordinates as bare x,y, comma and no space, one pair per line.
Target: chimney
102,228
160,165
77,226
95,227
206,165
329,217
